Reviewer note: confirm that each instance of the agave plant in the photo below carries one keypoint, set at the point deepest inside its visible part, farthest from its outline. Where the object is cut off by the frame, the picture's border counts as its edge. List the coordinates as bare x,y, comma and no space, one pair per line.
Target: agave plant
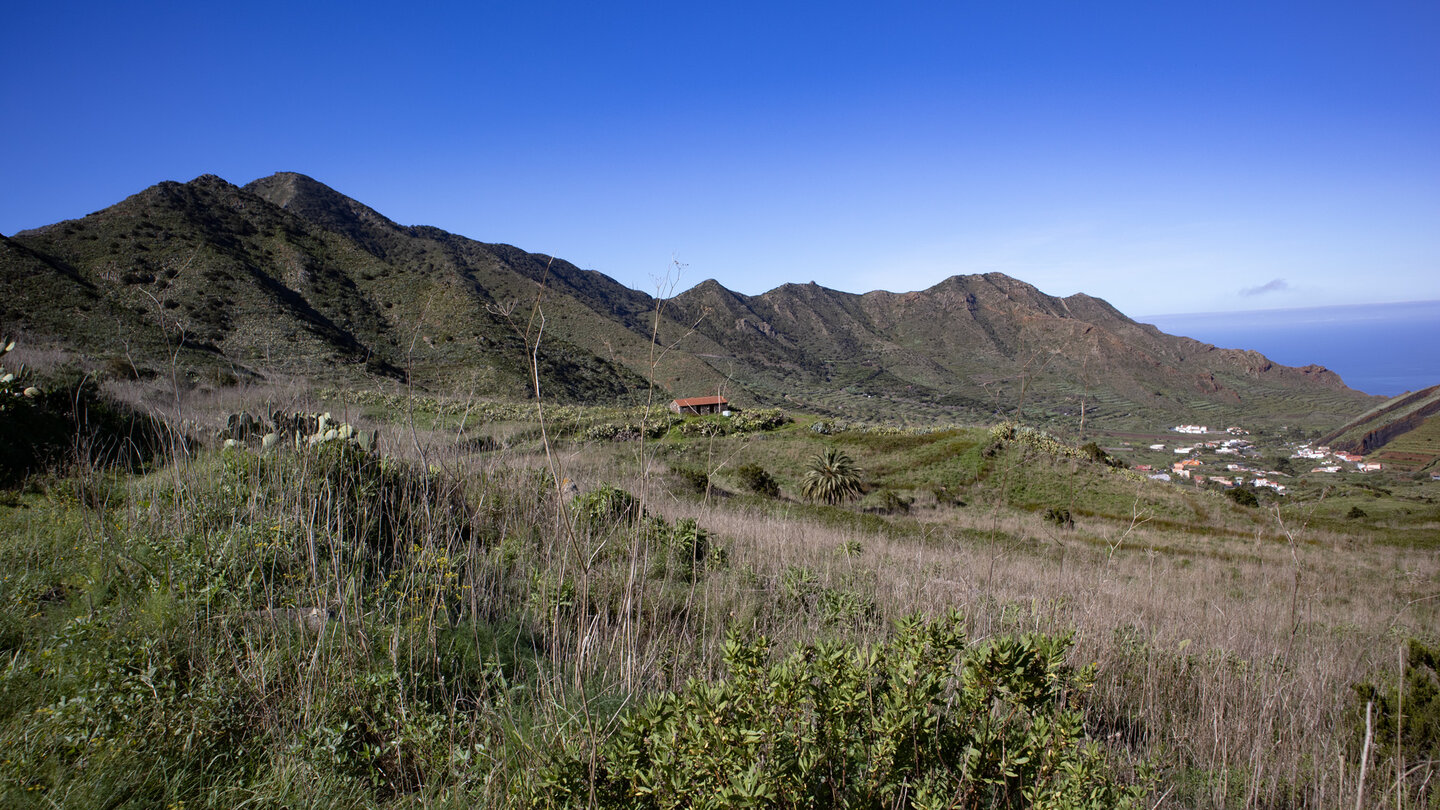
831,477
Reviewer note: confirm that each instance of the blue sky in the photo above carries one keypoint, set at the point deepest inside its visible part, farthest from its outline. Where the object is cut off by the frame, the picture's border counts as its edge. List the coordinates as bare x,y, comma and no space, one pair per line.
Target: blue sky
1166,157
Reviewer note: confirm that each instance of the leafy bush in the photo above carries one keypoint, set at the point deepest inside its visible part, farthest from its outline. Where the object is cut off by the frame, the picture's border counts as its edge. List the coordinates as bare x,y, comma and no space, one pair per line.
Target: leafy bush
611,432
758,480
1243,496
479,444
838,606
888,501
1407,713
649,426
606,506
1060,517
697,481
127,700
1032,439
688,543
920,721
758,420
799,584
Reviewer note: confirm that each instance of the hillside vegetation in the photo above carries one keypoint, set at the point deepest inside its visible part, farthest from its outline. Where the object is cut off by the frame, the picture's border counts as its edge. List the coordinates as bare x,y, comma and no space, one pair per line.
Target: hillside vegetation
502,603
285,277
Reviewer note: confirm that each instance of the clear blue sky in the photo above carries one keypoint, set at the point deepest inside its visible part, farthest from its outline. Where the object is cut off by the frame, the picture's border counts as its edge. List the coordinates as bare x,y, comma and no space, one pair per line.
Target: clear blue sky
1167,157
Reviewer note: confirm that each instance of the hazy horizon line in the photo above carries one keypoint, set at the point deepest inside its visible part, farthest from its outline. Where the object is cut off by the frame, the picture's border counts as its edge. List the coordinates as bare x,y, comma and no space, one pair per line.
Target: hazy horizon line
1290,310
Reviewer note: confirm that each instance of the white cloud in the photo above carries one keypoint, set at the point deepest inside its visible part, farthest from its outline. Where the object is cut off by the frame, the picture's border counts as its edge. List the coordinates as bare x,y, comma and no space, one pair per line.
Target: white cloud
1275,285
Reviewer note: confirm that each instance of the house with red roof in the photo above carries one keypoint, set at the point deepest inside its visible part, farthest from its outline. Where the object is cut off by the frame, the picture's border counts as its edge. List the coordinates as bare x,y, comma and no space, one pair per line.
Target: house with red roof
694,406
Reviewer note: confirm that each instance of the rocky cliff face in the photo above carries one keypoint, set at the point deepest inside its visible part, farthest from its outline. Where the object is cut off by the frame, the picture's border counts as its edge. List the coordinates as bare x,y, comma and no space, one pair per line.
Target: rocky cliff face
1396,417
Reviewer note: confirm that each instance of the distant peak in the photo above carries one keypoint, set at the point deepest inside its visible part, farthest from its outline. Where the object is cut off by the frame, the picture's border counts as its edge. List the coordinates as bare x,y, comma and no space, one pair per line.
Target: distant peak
317,202
292,176
710,289
210,181
288,186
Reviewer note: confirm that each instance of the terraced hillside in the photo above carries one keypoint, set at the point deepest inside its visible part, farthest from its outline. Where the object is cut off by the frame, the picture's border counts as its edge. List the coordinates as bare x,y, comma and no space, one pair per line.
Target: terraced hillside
1405,431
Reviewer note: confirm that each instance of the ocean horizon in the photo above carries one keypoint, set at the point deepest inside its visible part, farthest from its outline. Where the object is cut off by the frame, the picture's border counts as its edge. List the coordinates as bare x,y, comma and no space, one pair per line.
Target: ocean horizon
1385,349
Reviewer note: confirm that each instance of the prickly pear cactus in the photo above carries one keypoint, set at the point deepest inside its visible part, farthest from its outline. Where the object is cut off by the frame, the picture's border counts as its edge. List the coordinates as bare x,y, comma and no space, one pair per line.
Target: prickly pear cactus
13,390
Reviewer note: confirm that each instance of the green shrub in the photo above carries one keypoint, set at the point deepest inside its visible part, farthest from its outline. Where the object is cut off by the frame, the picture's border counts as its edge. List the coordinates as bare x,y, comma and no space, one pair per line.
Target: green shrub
704,426
606,506
837,606
888,502
689,544
66,417
1060,517
1407,713
116,698
920,721
757,480
758,420
649,426
799,584
479,444
1243,496
696,481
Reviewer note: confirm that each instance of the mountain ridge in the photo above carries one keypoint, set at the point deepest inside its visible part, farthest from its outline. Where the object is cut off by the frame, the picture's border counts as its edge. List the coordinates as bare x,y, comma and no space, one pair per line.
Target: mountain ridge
285,273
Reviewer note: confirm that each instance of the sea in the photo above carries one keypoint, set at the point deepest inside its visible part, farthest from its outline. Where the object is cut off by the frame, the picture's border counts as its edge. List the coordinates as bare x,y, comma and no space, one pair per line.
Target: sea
1385,349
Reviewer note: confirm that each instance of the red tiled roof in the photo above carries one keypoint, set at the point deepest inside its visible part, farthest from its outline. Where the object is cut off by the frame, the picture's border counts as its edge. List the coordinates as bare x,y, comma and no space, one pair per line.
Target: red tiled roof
696,401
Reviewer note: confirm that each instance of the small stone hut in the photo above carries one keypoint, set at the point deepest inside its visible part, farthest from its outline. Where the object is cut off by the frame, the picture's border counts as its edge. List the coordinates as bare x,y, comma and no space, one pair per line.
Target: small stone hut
694,406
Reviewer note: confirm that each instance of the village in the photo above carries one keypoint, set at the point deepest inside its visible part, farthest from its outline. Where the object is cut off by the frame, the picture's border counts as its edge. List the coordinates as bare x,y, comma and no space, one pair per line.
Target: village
1231,457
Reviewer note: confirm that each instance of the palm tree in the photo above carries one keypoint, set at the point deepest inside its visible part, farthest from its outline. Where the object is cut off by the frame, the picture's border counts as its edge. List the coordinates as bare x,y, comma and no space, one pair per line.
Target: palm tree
831,477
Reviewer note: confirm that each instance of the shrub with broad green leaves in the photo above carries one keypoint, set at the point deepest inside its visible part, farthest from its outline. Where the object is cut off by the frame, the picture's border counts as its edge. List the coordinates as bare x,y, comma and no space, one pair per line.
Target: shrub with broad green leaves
923,720
606,507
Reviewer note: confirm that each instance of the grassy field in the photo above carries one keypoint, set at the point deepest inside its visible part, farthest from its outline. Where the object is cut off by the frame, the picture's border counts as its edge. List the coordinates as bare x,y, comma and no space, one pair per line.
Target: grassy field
457,616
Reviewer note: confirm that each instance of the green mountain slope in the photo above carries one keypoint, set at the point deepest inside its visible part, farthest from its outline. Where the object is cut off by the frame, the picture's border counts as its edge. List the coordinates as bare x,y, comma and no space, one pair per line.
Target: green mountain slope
334,292
992,343
438,279
288,276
